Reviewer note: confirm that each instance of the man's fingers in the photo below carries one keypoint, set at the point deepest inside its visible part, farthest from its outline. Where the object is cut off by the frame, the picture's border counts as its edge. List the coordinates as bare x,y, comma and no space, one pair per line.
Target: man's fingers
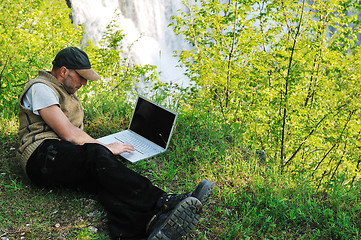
128,146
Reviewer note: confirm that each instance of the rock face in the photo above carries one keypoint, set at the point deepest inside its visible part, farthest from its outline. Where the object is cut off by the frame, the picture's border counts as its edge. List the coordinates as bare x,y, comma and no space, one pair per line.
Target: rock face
68,2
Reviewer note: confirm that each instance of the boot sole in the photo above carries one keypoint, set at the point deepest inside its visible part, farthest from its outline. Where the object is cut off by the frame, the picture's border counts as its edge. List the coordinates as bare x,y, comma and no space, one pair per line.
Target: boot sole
183,218
203,191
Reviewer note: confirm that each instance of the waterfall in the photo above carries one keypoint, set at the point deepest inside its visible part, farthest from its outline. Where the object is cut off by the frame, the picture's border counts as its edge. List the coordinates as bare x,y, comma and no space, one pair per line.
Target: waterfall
145,25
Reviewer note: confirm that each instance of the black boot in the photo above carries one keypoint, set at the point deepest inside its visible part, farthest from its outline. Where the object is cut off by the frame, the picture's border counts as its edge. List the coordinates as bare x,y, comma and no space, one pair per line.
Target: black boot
176,223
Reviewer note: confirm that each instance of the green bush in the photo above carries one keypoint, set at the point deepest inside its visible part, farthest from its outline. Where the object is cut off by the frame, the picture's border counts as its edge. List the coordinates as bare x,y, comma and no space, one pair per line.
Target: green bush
32,32
275,72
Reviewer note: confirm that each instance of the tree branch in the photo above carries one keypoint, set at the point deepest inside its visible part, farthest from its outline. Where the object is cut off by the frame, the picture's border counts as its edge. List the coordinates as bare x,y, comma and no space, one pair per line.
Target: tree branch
286,87
343,130
230,56
338,109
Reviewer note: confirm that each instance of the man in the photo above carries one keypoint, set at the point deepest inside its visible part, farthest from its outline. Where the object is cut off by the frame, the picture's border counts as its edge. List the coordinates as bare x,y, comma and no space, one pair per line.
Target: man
54,151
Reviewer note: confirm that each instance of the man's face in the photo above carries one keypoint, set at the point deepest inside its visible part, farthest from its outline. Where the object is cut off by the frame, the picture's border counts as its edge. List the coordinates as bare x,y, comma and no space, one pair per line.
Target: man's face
73,81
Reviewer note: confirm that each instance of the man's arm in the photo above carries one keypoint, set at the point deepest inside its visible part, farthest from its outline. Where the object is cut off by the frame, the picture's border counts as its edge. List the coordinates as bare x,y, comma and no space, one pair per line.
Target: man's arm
56,119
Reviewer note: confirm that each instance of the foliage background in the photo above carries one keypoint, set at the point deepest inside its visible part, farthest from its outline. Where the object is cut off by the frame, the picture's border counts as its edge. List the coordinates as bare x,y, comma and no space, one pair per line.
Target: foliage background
285,75
31,33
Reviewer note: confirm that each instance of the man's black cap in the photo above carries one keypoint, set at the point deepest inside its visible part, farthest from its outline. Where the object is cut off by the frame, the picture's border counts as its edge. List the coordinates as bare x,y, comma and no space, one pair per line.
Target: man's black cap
76,59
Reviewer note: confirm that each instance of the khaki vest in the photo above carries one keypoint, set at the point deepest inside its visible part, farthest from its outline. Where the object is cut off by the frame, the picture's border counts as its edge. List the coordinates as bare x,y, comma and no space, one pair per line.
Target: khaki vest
32,128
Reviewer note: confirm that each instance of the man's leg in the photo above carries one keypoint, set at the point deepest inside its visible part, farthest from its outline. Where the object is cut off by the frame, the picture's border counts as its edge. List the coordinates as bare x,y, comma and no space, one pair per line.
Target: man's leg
129,198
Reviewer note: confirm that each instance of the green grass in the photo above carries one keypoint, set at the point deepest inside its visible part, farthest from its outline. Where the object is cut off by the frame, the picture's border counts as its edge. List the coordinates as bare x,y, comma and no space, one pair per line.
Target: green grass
252,200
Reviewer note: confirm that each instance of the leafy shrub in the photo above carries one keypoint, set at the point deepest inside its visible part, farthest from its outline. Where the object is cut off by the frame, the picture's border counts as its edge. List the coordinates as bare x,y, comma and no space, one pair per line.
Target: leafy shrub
32,32
276,72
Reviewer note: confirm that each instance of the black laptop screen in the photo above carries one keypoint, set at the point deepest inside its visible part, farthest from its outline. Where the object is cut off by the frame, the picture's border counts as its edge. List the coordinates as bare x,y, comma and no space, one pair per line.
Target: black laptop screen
152,122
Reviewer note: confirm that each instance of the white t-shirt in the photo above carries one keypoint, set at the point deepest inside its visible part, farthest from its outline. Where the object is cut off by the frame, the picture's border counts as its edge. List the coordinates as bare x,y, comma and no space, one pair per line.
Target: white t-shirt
39,96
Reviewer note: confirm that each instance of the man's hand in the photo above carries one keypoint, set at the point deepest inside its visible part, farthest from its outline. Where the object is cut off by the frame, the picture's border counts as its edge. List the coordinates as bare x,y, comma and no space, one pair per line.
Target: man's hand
118,148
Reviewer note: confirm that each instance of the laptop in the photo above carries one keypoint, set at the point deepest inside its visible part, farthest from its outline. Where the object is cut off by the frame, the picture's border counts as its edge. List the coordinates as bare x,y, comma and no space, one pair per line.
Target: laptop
149,131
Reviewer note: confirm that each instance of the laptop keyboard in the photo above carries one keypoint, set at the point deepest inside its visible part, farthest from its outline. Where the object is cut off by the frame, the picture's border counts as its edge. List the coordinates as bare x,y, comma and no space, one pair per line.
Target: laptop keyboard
137,144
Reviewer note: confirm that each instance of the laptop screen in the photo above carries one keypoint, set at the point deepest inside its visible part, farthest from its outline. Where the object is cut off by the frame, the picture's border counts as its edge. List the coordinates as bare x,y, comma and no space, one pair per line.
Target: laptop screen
152,122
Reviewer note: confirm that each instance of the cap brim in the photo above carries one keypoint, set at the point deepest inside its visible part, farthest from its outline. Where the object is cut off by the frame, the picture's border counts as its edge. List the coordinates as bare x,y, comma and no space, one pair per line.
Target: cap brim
88,74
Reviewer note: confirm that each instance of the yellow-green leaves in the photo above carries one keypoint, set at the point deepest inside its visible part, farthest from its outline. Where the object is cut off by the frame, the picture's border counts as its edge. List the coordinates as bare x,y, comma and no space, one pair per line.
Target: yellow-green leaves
32,32
286,72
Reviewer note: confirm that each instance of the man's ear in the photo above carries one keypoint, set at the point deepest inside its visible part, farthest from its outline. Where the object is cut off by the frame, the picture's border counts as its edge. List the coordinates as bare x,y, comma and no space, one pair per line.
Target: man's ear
63,72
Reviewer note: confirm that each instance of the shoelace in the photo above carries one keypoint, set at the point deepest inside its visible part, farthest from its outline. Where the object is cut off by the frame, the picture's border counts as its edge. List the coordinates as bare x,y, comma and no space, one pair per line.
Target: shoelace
170,201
